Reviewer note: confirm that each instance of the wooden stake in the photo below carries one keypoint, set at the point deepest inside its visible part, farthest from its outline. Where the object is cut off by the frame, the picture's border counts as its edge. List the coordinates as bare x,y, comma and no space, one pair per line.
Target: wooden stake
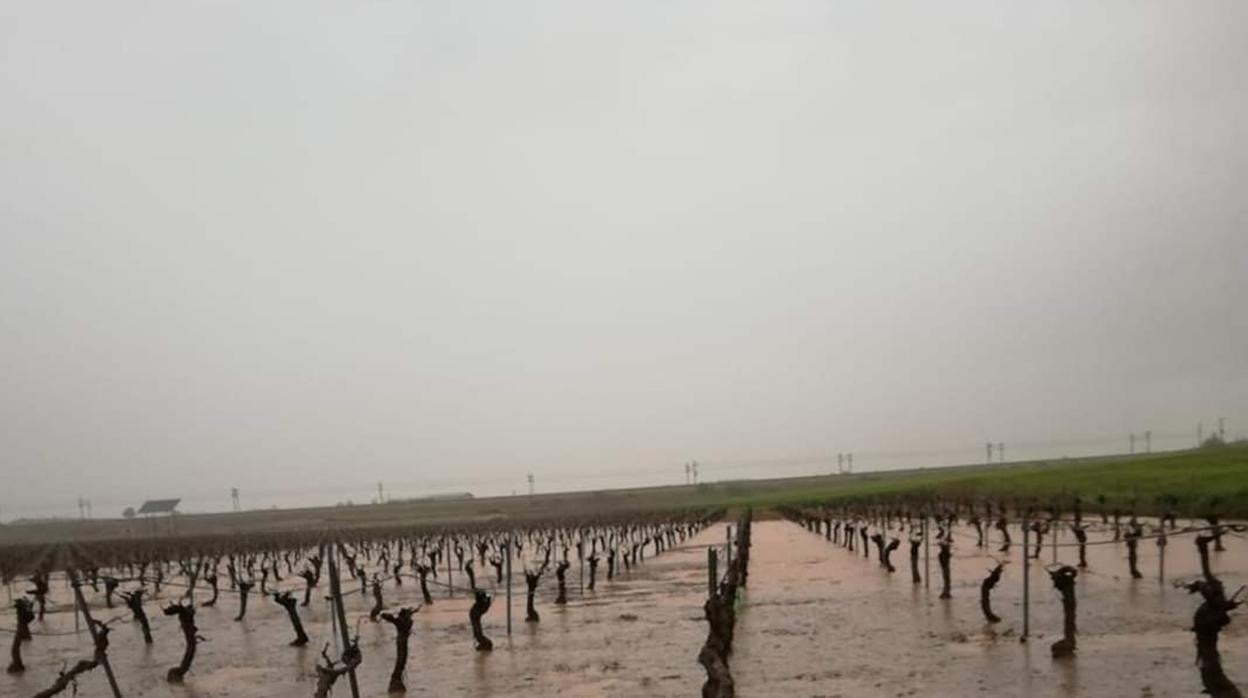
712,561
86,615
508,586
450,581
340,613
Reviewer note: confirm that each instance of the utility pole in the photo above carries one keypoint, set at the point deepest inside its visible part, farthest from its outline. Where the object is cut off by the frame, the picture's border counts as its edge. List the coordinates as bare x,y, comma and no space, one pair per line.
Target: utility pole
694,467
234,496
1148,441
686,473
1222,429
381,495
1001,451
989,449
81,513
530,485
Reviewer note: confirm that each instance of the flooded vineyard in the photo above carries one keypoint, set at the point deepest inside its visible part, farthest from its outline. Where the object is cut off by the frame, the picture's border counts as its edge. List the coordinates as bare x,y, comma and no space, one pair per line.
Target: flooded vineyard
622,609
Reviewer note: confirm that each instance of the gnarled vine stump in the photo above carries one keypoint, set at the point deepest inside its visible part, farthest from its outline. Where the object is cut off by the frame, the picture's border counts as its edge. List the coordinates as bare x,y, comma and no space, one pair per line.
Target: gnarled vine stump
1064,581
480,604
134,602
1213,614
287,600
244,588
186,620
561,571
331,670
402,622
943,558
985,593
25,615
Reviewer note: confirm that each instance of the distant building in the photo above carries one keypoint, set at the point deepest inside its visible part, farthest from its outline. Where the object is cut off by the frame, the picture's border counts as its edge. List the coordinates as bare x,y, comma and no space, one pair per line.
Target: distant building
159,506
153,508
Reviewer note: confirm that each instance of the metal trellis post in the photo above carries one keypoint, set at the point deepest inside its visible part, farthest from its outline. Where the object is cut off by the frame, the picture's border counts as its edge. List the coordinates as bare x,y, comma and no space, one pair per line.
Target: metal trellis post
508,586
1026,582
927,556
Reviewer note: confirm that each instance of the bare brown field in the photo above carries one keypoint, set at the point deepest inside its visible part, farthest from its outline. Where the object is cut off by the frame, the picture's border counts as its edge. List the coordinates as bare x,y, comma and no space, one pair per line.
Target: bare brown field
1191,479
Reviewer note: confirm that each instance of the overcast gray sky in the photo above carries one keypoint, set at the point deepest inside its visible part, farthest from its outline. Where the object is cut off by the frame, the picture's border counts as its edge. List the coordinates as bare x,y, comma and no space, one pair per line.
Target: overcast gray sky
303,247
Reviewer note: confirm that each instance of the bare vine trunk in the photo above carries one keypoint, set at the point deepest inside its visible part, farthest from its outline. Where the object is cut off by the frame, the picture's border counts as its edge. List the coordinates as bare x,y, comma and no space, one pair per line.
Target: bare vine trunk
480,604
186,620
985,592
1064,581
402,622
25,614
287,601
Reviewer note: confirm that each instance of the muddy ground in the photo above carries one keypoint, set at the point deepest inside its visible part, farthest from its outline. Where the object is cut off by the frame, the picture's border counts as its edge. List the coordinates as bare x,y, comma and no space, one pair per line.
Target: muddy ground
635,635
825,622
816,620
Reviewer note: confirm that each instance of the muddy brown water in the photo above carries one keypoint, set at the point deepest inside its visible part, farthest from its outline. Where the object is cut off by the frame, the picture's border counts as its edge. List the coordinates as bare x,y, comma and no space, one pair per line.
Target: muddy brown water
822,621
816,620
636,635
